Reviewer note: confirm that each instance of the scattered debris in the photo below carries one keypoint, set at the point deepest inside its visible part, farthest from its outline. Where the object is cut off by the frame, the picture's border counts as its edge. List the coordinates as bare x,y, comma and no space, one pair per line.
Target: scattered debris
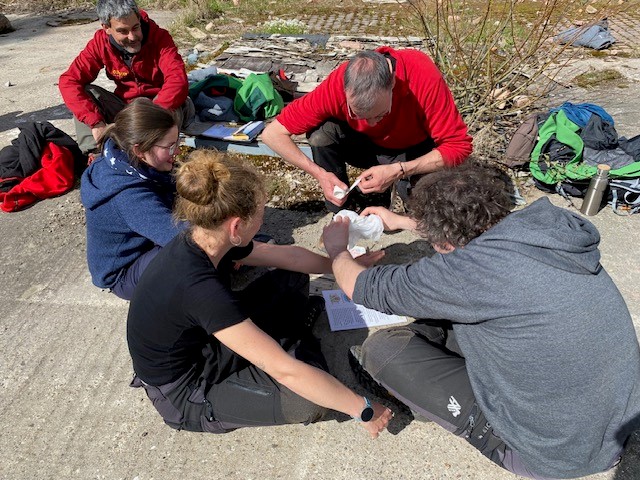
351,45
73,17
197,33
306,59
521,101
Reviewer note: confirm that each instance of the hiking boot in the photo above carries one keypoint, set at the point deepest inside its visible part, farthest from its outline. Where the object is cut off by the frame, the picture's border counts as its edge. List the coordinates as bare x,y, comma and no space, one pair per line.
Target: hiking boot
368,382
315,307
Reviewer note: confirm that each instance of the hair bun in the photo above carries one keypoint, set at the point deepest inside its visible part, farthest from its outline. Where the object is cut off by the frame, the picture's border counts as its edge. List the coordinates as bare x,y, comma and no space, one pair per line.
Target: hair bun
199,182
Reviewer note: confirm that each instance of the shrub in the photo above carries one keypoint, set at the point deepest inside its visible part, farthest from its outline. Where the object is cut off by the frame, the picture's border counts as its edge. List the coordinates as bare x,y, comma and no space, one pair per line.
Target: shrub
493,52
283,27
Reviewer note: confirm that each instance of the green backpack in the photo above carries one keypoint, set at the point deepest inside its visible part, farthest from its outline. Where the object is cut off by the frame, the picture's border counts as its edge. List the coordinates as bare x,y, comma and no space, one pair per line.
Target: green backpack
255,97
555,175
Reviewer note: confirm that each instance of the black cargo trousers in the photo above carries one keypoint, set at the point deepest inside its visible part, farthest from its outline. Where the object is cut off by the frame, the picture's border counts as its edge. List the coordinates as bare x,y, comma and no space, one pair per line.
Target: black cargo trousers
249,397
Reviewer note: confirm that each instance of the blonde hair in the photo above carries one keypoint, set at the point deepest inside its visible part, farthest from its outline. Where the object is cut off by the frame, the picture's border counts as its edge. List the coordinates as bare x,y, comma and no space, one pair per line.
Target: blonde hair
212,187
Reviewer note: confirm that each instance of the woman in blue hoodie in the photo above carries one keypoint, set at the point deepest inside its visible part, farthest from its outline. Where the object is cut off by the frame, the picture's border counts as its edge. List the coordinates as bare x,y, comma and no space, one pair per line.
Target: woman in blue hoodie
128,192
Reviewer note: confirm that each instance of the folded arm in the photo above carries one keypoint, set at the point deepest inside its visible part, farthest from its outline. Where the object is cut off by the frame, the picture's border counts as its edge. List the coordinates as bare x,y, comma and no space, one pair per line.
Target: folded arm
83,70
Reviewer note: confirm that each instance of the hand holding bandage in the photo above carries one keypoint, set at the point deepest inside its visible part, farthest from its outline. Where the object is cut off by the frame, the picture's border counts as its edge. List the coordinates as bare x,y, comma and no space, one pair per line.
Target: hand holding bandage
367,228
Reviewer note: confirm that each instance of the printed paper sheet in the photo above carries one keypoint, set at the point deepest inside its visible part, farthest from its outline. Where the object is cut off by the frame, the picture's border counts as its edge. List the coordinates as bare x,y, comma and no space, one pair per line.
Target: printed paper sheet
345,315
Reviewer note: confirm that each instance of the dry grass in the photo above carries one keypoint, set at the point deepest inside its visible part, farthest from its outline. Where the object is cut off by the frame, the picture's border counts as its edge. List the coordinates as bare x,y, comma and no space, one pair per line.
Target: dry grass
597,78
40,6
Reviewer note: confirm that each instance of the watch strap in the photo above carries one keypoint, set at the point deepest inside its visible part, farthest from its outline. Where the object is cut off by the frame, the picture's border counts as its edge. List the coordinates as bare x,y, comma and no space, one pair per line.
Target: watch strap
367,406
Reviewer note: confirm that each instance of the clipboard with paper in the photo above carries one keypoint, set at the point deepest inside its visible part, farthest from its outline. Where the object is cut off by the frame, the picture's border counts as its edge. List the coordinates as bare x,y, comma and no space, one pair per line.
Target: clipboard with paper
243,133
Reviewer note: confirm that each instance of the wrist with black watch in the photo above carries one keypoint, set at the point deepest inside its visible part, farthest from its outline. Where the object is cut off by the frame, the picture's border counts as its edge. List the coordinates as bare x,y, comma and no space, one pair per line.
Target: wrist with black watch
367,412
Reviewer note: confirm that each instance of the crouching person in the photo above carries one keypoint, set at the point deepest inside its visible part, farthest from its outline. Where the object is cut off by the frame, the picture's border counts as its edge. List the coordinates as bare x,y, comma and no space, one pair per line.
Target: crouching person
211,359
527,349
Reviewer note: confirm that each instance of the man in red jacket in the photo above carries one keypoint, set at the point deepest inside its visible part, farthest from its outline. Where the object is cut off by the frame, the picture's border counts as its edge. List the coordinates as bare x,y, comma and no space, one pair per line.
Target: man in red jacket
138,56
387,111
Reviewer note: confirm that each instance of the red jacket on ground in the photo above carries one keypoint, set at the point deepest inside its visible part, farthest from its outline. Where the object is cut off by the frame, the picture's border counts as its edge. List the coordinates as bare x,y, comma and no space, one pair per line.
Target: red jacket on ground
156,72
54,178
422,107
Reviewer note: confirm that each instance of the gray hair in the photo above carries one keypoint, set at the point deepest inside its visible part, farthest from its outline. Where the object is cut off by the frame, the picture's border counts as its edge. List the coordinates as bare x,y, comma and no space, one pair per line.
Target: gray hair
108,9
366,75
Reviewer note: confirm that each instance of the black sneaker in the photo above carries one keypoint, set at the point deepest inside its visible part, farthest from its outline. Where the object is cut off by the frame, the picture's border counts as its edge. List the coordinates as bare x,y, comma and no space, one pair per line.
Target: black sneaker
368,382
315,307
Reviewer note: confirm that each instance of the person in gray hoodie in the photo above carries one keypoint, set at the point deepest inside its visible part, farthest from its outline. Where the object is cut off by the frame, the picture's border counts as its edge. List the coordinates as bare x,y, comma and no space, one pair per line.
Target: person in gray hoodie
524,345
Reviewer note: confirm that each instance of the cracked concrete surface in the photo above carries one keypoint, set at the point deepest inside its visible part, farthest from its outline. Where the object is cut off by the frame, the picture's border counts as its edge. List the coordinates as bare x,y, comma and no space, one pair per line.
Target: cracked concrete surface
65,406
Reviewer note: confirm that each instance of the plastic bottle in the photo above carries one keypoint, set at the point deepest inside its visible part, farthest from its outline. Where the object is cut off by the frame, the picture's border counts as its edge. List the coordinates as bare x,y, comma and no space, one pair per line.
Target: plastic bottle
595,192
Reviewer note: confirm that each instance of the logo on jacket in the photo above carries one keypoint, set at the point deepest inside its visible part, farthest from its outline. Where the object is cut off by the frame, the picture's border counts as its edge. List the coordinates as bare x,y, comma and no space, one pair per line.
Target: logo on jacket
454,407
119,74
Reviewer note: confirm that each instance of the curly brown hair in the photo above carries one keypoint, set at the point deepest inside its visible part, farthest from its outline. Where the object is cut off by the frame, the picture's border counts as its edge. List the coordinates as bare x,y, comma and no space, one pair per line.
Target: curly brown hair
455,205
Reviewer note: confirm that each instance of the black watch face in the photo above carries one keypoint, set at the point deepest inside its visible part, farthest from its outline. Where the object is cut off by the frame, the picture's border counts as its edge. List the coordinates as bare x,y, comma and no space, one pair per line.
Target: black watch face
367,414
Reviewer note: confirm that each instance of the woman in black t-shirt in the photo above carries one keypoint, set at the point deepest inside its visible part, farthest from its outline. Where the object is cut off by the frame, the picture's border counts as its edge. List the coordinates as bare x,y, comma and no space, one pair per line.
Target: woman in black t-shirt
212,359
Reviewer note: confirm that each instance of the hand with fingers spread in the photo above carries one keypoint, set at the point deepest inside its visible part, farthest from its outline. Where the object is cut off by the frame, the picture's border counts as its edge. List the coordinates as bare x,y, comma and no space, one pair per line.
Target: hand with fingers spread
335,236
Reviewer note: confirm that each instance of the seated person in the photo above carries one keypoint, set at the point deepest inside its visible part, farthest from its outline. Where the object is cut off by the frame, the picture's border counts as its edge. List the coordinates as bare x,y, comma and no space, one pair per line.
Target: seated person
211,359
128,192
138,56
387,111
525,348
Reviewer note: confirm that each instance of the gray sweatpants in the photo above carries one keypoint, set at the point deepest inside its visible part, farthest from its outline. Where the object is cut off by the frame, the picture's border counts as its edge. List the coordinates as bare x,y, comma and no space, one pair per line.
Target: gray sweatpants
421,365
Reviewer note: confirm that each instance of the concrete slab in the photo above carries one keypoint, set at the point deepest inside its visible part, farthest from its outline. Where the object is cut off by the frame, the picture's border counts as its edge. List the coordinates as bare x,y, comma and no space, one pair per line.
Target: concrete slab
65,405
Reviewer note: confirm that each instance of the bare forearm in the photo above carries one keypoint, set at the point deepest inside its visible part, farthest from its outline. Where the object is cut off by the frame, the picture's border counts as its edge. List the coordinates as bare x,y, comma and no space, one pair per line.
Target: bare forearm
427,163
288,257
346,271
322,389
302,260
278,138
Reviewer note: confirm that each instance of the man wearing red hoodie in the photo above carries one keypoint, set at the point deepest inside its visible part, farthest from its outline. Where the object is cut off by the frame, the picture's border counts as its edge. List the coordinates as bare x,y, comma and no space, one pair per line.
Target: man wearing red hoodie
138,56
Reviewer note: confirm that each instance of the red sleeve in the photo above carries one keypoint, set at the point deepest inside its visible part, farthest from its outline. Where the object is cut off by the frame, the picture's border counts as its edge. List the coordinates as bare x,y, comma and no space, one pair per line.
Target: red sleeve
175,88
83,70
442,119
54,178
326,101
